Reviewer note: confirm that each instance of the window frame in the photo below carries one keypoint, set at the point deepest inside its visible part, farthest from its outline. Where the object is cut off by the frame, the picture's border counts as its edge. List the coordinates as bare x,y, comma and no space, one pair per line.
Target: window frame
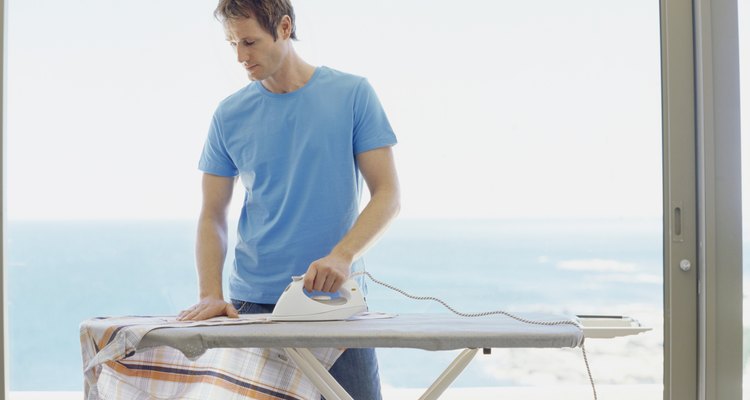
3,310
702,200
719,197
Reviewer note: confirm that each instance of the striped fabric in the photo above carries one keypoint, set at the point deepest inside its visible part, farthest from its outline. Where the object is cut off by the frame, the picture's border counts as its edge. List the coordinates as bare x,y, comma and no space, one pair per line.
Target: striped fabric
114,370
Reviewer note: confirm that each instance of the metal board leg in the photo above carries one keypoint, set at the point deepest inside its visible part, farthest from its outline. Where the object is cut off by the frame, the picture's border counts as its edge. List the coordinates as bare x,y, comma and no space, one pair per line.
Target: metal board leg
319,376
449,375
324,374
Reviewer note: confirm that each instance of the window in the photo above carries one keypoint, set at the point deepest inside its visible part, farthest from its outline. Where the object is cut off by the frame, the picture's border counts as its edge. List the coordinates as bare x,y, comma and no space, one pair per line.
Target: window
519,163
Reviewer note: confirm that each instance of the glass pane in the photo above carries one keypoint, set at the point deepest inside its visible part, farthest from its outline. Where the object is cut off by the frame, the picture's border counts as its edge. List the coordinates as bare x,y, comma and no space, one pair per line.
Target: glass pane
529,155
530,159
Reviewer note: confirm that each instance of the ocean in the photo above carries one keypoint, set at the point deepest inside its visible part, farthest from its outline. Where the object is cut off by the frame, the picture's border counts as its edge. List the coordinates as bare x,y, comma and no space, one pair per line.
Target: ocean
60,273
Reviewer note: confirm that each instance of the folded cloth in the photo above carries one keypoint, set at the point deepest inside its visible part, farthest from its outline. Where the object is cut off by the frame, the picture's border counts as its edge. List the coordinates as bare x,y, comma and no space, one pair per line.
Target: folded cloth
113,369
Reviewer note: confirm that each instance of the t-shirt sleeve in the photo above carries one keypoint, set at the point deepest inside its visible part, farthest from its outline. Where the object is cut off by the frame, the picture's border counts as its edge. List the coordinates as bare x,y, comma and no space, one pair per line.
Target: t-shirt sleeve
215,158
371,127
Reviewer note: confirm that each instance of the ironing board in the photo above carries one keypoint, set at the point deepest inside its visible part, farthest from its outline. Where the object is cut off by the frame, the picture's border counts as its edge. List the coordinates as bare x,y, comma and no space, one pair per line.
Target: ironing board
421,331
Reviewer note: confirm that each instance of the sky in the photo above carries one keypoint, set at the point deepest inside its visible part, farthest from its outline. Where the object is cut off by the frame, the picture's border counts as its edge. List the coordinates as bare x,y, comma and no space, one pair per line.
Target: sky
503,109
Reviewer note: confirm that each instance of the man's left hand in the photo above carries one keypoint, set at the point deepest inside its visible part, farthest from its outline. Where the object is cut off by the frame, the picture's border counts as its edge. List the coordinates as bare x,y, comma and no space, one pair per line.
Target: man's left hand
328,273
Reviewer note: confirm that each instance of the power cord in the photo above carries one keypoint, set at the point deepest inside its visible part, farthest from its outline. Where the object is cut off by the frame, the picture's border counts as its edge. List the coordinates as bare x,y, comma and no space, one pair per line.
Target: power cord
487,313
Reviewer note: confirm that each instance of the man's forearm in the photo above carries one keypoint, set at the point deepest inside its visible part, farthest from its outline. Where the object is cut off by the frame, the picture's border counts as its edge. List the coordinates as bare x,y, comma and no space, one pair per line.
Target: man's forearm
372,222
210,253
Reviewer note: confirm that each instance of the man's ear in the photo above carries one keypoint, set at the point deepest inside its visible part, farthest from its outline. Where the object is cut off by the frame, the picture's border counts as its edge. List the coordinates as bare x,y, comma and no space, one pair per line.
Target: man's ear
285,27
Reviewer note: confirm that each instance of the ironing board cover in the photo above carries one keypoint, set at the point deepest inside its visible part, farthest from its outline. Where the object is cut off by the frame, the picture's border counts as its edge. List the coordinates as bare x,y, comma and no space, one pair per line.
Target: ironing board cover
114,367
439,331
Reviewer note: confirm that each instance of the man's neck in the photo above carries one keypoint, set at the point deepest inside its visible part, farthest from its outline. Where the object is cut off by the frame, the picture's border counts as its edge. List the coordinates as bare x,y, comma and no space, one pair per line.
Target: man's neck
295,74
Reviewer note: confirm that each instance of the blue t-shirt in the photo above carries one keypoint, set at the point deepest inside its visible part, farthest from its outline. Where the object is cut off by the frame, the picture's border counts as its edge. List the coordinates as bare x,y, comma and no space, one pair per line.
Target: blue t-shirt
295,156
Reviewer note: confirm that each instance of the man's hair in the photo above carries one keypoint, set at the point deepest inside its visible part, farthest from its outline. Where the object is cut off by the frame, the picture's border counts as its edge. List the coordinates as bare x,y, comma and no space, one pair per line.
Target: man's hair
268,13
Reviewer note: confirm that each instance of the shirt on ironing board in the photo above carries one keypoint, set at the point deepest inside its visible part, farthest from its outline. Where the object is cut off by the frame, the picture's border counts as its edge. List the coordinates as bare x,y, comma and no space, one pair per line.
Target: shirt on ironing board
295,156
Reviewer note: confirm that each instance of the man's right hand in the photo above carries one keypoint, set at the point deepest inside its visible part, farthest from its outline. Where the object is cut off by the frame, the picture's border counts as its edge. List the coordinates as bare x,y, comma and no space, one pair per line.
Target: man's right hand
208,308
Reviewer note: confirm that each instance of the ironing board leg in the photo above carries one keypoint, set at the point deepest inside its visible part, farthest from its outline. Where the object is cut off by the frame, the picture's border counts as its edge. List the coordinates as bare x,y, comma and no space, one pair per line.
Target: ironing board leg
332,390
319,376
323,373
449,375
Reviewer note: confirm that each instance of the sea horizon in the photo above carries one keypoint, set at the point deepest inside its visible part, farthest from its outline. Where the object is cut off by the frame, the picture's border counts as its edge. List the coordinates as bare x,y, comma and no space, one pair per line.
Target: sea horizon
75,270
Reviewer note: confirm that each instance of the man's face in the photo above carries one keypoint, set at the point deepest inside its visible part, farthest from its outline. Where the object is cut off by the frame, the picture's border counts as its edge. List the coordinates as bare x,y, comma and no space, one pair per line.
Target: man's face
256,50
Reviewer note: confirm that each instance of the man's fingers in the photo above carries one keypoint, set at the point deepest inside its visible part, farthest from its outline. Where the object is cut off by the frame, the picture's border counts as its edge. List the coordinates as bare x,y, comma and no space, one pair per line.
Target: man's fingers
327,284
188,316
320,281
310,278
202,315
195,314
202,311
184,314
332,284
323,278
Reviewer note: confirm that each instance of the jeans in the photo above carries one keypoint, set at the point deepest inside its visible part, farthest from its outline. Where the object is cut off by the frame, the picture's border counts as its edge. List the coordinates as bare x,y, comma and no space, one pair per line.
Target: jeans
356,370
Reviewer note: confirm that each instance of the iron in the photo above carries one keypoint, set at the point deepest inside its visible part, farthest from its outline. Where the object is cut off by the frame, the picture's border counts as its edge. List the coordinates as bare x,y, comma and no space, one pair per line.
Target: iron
295,305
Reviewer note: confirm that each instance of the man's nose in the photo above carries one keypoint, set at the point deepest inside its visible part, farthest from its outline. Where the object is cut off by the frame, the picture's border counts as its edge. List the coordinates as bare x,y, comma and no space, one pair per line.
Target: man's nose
241,54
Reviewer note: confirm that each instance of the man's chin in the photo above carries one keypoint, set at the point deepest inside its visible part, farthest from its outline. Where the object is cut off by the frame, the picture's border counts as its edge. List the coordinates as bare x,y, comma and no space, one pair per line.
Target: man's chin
253,77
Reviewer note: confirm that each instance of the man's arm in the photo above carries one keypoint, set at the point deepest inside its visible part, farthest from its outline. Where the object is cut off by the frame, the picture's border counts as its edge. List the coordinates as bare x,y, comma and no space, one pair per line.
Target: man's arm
379,171
211,249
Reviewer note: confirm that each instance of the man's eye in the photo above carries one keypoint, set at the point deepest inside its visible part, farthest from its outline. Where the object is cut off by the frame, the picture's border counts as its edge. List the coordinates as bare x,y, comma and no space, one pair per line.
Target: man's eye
246,43
233,44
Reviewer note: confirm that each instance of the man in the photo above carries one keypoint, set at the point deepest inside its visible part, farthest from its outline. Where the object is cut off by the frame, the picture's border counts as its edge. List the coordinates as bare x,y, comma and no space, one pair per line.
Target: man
298,137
